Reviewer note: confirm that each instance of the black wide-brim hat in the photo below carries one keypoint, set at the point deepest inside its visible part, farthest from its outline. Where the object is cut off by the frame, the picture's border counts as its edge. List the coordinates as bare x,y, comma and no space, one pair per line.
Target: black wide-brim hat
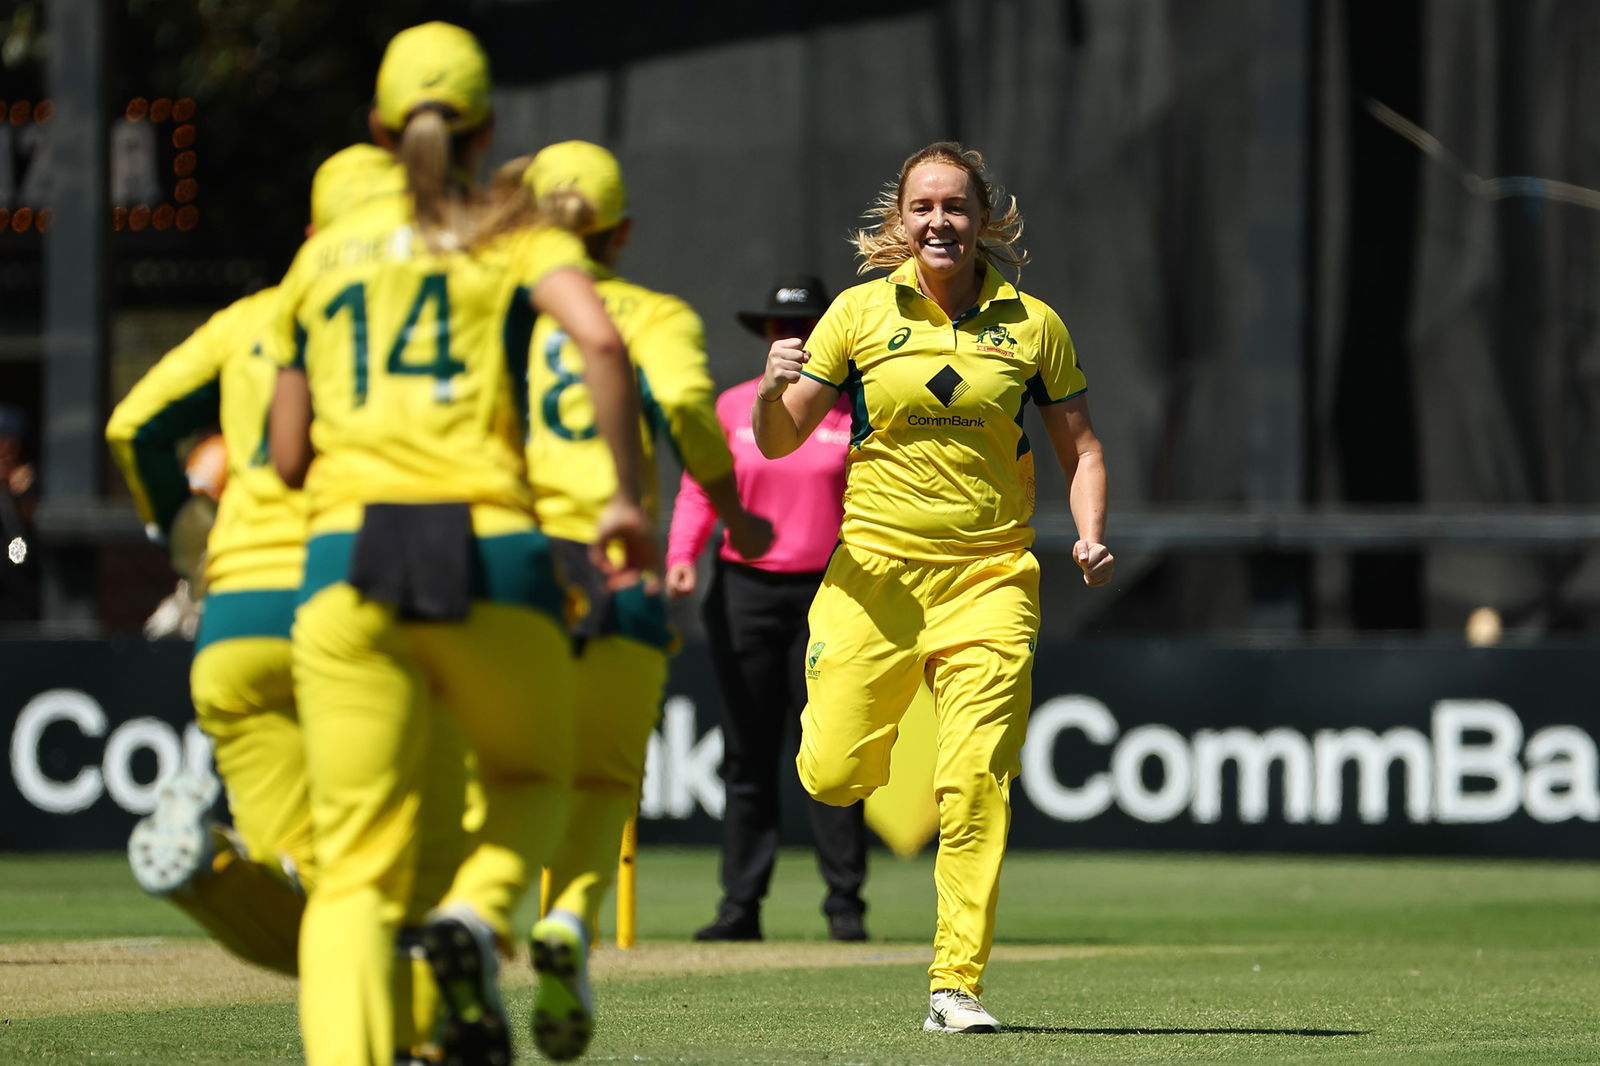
797,296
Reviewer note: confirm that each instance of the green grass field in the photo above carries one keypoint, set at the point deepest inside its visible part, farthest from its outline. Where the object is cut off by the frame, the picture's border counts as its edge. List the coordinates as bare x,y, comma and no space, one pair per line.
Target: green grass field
1100,959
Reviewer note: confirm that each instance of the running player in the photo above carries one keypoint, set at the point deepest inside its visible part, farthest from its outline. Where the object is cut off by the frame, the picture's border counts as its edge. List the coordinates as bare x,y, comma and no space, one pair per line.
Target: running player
933,579
621,635
246,887
426,582
755,615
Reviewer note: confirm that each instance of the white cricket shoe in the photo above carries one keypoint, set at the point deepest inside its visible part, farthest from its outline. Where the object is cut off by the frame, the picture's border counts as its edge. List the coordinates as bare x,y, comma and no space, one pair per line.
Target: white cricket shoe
563,1008
172,845
953,1011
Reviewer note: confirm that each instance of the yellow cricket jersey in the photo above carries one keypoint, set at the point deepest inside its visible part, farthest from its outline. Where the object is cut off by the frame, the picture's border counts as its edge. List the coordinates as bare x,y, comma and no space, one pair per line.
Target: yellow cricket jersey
569,465
220,374
939,466
410,355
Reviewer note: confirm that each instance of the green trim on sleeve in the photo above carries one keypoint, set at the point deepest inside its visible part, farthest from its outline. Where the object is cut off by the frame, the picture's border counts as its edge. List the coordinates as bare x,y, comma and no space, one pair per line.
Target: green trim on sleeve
1037,393
298,361
654,416
154,446
825,381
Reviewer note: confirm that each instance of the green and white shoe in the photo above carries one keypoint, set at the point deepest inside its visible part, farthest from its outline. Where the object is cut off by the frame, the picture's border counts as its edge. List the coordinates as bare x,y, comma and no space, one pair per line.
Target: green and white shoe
563,1009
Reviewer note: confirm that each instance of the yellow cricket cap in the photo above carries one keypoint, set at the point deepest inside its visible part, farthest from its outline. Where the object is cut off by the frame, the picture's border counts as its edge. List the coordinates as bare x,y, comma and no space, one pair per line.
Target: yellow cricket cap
587,169
349,178
434,63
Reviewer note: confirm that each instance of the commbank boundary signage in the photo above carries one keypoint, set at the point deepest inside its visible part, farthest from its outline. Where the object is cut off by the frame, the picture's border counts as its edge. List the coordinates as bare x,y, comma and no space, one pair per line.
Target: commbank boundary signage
1161,745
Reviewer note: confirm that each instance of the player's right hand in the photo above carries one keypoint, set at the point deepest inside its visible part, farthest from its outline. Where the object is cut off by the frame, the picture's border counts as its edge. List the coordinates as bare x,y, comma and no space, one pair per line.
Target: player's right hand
681,580
624,546
784,360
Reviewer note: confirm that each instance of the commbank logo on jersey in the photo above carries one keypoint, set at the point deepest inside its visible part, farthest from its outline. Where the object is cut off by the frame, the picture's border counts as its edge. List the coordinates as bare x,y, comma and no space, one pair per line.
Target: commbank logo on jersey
947,385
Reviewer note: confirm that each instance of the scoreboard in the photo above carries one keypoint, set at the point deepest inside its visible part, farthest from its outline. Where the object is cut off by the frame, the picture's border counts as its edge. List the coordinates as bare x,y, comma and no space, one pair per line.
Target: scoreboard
153,153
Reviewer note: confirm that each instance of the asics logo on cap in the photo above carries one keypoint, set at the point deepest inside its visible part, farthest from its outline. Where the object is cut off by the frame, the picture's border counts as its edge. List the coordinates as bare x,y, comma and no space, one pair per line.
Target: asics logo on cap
792,296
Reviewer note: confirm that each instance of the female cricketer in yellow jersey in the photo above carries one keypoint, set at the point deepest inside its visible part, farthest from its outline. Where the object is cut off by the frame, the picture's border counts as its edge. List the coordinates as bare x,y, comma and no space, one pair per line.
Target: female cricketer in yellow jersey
426,582
246,888
621,635
933,580
240,888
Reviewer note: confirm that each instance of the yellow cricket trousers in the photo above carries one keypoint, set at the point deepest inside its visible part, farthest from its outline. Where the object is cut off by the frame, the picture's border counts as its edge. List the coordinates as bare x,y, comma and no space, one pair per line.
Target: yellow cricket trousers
370,687
621,676
244,701
881,626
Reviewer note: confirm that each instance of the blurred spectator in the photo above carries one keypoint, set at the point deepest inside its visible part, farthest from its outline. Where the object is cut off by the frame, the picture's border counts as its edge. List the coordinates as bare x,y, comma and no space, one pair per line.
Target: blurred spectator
19,493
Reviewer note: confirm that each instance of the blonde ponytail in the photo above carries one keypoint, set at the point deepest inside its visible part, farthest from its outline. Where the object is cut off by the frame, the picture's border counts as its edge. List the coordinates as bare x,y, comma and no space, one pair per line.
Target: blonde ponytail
511,206
426,151
565,208
569,209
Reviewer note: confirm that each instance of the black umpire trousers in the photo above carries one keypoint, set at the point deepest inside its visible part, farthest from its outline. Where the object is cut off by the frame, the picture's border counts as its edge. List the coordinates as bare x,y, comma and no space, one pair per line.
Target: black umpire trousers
756,623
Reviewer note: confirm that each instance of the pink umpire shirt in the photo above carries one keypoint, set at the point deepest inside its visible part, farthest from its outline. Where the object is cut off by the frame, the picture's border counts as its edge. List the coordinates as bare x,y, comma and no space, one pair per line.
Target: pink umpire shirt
801,494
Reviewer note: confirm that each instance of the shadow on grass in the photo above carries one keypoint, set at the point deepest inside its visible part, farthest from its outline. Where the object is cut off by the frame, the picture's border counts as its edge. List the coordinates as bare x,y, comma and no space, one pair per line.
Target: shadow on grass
1057,941
1069,1030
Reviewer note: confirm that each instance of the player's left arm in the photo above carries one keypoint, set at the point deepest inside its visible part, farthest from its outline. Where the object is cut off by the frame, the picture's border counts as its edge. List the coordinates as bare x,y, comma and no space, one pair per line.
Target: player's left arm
284,342
1078,451
568,295
671,354
1060,391
289,426
176,398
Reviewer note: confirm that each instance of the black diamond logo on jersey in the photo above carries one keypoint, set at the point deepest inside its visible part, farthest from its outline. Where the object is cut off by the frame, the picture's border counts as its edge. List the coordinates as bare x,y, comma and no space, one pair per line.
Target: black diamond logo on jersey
947,385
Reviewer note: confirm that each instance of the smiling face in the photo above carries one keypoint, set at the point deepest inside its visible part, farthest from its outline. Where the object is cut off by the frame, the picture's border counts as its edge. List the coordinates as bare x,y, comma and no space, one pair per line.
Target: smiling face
942,216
